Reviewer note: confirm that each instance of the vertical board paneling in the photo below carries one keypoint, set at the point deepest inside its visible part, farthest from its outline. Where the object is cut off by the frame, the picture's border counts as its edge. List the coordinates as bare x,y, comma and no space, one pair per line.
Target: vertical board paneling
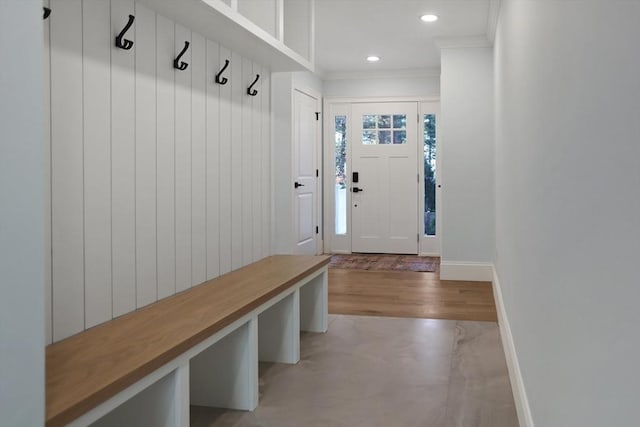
165,54
145,42
123,219
213,160
67,205
46,86
183,161
96,49
198,161
225,165
256,156
238,89
266,163
159,179
247,172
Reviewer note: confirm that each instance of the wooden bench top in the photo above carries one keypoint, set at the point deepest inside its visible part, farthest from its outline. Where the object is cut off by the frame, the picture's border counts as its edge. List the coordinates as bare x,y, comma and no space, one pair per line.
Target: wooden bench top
86,369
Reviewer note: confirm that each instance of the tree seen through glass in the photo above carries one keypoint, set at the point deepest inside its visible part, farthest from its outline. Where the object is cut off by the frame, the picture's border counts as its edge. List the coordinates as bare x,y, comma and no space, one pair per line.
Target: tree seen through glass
429,135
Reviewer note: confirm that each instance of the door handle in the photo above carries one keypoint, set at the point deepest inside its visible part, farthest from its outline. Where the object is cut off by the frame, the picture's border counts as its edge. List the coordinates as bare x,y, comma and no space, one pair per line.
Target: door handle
357,190
296,185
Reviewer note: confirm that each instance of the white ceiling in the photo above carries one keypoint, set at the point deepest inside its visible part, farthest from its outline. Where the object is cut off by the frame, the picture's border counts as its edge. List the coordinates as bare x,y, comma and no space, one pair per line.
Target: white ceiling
347,31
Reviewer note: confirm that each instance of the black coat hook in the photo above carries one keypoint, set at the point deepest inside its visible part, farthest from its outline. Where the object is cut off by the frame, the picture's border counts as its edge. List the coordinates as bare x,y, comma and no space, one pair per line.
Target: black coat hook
253,92
125,44
177,63
224,80
46,12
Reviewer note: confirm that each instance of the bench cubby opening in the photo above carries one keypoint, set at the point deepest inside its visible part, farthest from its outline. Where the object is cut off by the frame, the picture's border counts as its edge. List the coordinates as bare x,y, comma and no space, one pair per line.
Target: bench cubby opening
161,404
225,375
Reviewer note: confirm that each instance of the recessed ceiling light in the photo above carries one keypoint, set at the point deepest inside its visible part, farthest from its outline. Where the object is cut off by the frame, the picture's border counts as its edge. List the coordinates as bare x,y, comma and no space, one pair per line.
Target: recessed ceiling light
373,58
429,18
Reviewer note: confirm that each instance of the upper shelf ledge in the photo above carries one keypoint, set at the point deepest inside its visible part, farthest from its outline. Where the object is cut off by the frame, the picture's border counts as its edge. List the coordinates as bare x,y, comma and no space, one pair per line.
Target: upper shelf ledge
217,21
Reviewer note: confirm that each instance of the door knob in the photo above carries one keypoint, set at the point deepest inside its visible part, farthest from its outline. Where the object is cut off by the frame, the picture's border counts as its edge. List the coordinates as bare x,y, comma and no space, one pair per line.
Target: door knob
296,185
357,190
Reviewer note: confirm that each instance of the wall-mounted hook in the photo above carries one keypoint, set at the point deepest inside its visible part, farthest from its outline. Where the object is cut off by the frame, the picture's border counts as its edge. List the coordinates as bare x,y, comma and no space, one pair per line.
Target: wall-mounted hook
250,90
224,80
46,12
177,63
125,44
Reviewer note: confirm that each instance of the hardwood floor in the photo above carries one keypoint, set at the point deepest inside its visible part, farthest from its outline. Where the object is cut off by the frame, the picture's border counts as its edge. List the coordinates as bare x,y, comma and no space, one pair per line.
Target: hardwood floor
409,294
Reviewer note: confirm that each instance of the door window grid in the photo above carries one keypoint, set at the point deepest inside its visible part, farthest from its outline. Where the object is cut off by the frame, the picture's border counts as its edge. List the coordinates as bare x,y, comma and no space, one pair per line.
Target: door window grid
386,129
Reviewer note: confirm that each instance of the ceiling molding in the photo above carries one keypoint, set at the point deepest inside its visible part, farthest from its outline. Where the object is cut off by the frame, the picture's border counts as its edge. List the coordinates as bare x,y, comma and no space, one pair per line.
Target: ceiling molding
462,42
383,74
492,20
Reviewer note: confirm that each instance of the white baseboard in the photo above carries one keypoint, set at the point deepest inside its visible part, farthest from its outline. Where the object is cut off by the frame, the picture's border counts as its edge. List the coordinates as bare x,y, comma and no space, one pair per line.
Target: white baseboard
517,385
471,271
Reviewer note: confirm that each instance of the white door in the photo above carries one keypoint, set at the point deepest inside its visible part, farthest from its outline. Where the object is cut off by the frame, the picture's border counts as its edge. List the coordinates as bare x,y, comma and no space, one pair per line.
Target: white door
384,180
305,168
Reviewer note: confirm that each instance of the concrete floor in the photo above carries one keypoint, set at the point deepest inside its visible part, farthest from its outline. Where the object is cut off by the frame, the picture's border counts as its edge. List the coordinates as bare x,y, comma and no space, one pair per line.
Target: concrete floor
387,372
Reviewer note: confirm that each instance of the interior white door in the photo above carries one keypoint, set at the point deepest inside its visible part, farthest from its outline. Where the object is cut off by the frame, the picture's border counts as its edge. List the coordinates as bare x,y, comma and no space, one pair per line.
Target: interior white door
305,129
384,181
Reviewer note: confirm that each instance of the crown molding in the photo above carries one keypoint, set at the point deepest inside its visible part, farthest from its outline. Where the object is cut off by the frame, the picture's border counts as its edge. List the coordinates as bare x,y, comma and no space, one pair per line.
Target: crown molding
383,74
492,19
462,42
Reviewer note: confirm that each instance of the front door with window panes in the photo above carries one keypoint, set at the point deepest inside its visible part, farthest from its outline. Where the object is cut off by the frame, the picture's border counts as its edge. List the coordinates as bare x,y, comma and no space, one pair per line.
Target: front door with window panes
384,179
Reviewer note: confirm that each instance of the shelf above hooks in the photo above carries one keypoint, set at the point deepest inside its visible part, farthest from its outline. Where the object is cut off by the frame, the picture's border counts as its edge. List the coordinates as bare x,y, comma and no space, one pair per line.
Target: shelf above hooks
216,20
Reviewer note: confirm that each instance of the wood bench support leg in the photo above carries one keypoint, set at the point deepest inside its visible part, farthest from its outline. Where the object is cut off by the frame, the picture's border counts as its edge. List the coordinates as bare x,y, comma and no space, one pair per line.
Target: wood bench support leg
314,304
226,374
164,403
279,331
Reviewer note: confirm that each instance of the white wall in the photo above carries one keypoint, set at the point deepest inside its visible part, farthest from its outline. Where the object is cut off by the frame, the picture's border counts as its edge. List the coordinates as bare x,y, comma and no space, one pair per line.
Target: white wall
383,86
22,334
568,205
466,141
159,177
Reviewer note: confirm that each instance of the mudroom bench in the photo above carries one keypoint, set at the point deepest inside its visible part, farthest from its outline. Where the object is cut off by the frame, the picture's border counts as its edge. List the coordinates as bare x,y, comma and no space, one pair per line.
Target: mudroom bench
200,347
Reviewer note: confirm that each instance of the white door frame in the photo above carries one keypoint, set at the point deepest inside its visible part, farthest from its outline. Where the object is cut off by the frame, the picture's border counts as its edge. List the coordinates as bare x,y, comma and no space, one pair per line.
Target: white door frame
431,246
342,243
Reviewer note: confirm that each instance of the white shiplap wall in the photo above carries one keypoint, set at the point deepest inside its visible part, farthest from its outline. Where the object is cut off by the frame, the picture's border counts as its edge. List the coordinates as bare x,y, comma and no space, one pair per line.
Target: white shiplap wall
159,178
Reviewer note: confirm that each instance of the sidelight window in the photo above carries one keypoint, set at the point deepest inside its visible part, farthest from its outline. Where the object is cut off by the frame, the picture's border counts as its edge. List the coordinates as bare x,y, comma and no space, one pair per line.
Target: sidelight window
340,156
429,148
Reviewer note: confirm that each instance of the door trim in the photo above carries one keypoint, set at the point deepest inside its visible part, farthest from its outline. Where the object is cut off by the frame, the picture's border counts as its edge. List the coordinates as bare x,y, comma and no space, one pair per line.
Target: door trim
425,247
333,243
